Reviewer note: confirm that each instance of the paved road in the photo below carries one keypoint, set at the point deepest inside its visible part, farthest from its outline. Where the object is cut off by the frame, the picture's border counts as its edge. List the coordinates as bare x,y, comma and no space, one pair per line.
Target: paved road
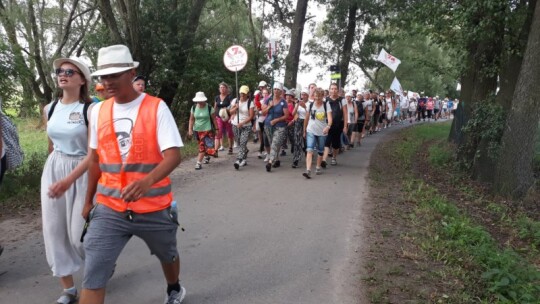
250,237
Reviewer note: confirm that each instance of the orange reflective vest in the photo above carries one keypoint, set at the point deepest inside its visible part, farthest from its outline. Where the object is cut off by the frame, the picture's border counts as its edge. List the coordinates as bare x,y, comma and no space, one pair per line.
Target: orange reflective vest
144,155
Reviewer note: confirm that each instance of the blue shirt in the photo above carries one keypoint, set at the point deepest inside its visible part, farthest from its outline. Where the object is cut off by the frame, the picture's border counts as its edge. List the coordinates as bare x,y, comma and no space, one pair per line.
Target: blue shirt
276,112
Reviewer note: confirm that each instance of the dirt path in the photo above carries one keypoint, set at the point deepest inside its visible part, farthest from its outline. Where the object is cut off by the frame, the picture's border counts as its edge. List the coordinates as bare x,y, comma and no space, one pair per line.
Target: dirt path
251,237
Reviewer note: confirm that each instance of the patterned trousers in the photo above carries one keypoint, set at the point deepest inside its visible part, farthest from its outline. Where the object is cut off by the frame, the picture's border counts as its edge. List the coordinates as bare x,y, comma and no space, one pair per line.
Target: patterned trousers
242,136
299,144
277,137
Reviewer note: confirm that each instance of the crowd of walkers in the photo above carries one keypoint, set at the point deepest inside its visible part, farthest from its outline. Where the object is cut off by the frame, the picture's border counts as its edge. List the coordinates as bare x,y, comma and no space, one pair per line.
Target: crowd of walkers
314,120
106,176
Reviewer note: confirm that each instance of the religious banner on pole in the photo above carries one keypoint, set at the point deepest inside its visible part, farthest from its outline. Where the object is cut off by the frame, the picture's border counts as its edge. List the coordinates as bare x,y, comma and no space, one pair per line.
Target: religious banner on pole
389,60
272,49
396,87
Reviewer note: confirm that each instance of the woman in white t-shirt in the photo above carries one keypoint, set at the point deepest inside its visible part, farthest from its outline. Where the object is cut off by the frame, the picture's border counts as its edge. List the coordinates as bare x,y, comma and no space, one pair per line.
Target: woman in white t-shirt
352,112
242,114
316,126
412,109
299,114
64,178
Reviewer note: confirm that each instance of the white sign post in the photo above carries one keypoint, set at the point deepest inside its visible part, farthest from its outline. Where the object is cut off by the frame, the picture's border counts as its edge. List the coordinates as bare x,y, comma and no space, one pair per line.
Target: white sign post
235,59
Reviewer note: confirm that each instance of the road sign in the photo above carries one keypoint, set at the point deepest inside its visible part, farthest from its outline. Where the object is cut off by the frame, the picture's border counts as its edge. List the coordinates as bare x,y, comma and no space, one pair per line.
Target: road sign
334,76
235,58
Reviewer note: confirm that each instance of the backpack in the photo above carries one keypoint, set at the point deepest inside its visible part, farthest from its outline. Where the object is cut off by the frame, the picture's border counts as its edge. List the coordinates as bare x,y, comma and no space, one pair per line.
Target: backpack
361,111
85,111
336,115
209,115
313,113
14,152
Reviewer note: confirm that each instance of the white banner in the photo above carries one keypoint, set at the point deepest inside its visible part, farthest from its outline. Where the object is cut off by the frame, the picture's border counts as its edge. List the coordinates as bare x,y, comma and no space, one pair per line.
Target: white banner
413,95
389,60
396,87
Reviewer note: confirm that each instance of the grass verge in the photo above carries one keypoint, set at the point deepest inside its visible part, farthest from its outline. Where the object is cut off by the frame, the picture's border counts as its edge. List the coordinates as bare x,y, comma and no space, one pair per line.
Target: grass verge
450,240
21,187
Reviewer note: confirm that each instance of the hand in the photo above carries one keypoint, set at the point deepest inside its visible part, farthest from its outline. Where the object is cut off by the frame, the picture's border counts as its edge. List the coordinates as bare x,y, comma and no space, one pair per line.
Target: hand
86,210
326,129
345,129
241,125
57,189
291,123
272,122
190,133
135,191
304,134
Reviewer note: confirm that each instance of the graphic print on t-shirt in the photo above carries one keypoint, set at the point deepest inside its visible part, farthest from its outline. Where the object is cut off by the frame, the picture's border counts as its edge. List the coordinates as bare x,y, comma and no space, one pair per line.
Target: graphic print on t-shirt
123,128
76,118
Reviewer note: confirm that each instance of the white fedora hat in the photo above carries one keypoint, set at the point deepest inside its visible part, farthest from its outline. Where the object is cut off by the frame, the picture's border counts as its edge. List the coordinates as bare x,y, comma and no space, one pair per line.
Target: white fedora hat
114,59
79,64
199,97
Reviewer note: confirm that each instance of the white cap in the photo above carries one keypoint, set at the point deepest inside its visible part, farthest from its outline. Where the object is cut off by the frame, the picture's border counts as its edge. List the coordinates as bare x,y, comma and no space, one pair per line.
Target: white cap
278,85
348,94
262,83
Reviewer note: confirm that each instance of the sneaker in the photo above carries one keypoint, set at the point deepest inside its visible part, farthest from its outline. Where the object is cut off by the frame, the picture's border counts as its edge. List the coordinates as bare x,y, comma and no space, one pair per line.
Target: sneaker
221,148
295,164
206,159
237,164
283,153
235,145
243,163
267,158
67,298
333,162
259,155
268,166
276,164
318,171
307,174
230,151
198,166
176,297
323,163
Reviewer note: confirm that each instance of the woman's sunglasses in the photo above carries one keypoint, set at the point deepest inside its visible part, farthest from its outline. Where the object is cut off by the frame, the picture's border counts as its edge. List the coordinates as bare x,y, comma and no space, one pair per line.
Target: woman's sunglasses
66,72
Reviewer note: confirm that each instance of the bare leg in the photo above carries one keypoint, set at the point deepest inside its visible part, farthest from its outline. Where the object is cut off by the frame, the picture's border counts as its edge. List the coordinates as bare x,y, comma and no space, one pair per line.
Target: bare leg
92,296
171,271
67,282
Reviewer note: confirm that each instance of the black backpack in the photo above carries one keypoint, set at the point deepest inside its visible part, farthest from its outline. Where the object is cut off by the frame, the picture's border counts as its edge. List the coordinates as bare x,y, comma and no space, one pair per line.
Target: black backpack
360,107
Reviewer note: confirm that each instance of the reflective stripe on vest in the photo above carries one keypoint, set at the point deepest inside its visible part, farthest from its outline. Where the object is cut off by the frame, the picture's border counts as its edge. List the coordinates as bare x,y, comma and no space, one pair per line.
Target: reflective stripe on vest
153,192
116,168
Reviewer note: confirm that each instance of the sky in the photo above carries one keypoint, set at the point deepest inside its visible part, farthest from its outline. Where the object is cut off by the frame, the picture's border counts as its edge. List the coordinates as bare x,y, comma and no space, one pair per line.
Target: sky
304,78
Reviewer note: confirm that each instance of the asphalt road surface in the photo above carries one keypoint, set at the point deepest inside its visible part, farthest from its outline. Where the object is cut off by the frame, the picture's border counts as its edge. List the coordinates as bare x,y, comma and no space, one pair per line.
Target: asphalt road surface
250,237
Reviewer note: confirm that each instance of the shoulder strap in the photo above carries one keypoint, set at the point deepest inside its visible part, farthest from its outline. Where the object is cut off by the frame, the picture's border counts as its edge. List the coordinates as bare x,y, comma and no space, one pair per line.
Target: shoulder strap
85,112
210,116
51,110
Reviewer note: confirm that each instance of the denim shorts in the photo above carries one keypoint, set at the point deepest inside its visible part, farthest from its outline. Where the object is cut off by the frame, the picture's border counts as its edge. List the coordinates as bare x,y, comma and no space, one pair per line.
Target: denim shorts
109,231
314,140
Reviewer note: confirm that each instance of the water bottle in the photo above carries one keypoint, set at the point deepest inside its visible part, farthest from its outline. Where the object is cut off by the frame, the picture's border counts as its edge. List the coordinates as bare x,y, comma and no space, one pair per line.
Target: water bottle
174,212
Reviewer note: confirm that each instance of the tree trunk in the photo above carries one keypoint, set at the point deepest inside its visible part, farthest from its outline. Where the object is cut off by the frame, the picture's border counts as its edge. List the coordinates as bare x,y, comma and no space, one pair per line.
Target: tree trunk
514,174
510,71
347,45
21,68
107,14
297,31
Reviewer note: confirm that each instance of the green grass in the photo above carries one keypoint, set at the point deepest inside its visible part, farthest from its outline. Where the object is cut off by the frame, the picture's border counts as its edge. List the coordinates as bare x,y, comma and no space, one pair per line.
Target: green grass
490,272
23,184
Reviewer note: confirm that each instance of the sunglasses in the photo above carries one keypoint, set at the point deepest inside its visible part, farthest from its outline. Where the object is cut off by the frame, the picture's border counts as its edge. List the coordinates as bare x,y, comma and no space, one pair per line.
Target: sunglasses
66,72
